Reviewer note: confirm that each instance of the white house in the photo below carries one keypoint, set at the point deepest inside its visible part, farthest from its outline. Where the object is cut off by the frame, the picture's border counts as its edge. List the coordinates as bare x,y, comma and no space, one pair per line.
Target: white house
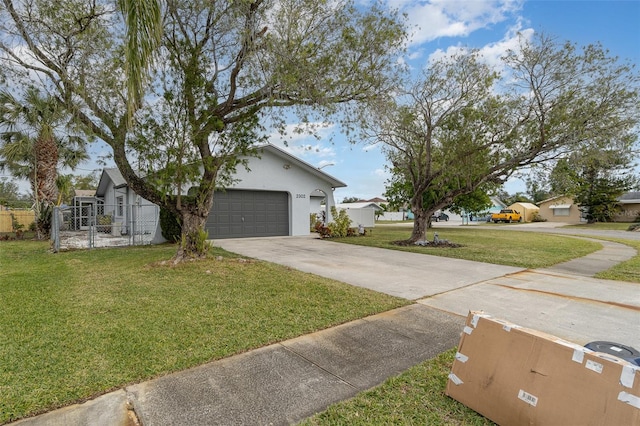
272,198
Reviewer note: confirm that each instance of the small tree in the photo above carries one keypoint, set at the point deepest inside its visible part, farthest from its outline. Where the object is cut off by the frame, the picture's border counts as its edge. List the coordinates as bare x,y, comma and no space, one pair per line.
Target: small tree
596,176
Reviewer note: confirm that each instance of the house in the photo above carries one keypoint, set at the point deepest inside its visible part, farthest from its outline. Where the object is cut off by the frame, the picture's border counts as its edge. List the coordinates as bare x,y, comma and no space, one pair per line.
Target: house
272,198
630,207
527,210
560,209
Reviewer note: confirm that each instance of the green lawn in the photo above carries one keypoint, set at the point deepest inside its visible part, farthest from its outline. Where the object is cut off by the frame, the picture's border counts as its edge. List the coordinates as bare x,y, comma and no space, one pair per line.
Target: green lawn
78,324
513,248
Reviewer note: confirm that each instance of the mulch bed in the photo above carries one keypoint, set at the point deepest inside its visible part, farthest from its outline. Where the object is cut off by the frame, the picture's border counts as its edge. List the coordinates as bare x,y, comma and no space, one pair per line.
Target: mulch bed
439,244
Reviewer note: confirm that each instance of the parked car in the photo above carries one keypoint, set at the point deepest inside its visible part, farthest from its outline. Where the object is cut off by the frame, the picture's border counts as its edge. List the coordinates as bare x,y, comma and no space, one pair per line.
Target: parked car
506,215
439,217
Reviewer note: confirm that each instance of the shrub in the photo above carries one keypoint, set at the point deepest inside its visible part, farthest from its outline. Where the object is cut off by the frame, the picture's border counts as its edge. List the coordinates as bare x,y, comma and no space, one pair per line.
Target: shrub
341,223
170,225
535,217
104,223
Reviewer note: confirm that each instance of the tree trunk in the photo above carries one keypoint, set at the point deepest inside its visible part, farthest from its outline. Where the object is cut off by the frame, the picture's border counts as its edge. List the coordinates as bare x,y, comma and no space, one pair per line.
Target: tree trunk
193,243
46,191
420,223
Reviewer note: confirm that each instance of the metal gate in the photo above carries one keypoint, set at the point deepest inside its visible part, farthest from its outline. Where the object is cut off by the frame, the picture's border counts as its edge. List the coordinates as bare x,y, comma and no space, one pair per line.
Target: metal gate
94,224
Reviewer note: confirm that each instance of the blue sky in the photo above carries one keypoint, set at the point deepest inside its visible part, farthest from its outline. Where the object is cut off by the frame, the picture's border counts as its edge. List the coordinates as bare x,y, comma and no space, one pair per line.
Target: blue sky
440,25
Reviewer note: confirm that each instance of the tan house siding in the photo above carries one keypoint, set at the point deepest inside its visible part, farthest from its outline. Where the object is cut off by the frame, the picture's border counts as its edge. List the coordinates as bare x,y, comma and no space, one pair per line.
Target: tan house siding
630,205
549,210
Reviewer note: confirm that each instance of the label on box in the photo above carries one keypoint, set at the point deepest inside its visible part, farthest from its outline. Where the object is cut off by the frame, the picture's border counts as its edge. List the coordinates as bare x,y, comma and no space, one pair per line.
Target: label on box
528,398
594,366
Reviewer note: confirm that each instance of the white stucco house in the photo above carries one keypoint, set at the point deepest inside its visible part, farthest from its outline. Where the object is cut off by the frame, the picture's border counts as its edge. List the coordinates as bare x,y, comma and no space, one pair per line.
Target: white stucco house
273,197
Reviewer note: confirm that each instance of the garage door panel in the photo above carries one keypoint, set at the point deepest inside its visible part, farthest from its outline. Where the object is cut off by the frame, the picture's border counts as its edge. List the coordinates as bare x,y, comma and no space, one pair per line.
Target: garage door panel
237,213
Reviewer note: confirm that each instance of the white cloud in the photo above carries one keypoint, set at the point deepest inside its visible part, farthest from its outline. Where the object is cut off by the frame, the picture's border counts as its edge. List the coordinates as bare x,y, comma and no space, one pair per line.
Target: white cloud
309,141
429,20
491,53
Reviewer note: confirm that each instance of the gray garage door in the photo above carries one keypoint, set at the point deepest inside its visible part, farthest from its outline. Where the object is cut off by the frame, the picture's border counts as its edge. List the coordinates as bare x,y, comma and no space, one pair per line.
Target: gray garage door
237,214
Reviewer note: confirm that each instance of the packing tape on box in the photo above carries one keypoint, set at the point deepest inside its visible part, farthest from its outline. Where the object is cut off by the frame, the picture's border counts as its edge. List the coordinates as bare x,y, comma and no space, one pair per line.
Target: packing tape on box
630,399
474,320
461,357
455,379
628,375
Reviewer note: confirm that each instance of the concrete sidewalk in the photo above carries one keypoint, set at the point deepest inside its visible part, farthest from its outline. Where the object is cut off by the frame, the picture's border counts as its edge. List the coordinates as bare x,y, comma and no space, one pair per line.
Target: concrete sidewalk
278,384
286,382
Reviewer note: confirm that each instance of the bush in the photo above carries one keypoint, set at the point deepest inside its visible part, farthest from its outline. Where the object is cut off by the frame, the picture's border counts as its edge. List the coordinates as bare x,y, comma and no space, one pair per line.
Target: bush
535,217
170,225
341,223
104,223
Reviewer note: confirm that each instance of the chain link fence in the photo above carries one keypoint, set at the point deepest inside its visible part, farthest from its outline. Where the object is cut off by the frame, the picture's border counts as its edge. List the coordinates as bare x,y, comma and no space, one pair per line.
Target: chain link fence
93,224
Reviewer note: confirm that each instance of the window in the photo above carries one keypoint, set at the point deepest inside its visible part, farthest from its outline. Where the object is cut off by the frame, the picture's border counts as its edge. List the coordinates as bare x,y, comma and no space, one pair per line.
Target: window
560,209
120,206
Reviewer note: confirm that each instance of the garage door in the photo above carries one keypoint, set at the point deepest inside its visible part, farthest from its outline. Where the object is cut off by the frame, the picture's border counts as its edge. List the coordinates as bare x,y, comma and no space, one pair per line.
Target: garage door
237,214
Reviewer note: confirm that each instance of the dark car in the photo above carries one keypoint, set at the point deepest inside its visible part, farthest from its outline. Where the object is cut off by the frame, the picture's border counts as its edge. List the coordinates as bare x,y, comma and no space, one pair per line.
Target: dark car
439,217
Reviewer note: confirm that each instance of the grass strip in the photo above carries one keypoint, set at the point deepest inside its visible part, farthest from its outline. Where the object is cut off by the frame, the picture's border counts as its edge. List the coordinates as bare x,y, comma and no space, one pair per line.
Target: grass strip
513,248
415,397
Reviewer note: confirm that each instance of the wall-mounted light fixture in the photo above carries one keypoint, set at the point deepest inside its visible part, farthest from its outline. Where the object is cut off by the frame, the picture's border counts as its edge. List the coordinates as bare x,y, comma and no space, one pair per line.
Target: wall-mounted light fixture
286,166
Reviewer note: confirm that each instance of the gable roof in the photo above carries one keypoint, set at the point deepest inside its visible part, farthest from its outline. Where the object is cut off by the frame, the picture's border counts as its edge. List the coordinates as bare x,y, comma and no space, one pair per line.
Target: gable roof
362,205
112,175
525,205
376,200
85,192
335,183
630,198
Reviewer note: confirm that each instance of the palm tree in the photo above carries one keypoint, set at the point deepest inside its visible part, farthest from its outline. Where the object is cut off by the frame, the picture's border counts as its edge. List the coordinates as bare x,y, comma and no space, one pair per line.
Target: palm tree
143,22
35,140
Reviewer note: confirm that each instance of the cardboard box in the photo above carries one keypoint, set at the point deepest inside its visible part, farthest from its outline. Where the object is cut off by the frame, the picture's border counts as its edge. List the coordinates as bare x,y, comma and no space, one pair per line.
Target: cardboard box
518,376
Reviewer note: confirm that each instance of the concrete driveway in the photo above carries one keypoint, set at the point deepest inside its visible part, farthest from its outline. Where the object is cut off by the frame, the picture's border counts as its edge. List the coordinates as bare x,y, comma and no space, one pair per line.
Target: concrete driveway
558,300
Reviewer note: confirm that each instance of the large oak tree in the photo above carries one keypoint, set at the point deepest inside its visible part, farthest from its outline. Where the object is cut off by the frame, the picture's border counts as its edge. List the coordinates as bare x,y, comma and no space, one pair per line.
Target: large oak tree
462,125
222,68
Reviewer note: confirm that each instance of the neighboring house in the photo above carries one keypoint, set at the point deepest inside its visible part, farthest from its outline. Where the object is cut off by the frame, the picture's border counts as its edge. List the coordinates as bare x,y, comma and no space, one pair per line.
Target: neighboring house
630,205
496,206
361,213
560,209
527,210
272,198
